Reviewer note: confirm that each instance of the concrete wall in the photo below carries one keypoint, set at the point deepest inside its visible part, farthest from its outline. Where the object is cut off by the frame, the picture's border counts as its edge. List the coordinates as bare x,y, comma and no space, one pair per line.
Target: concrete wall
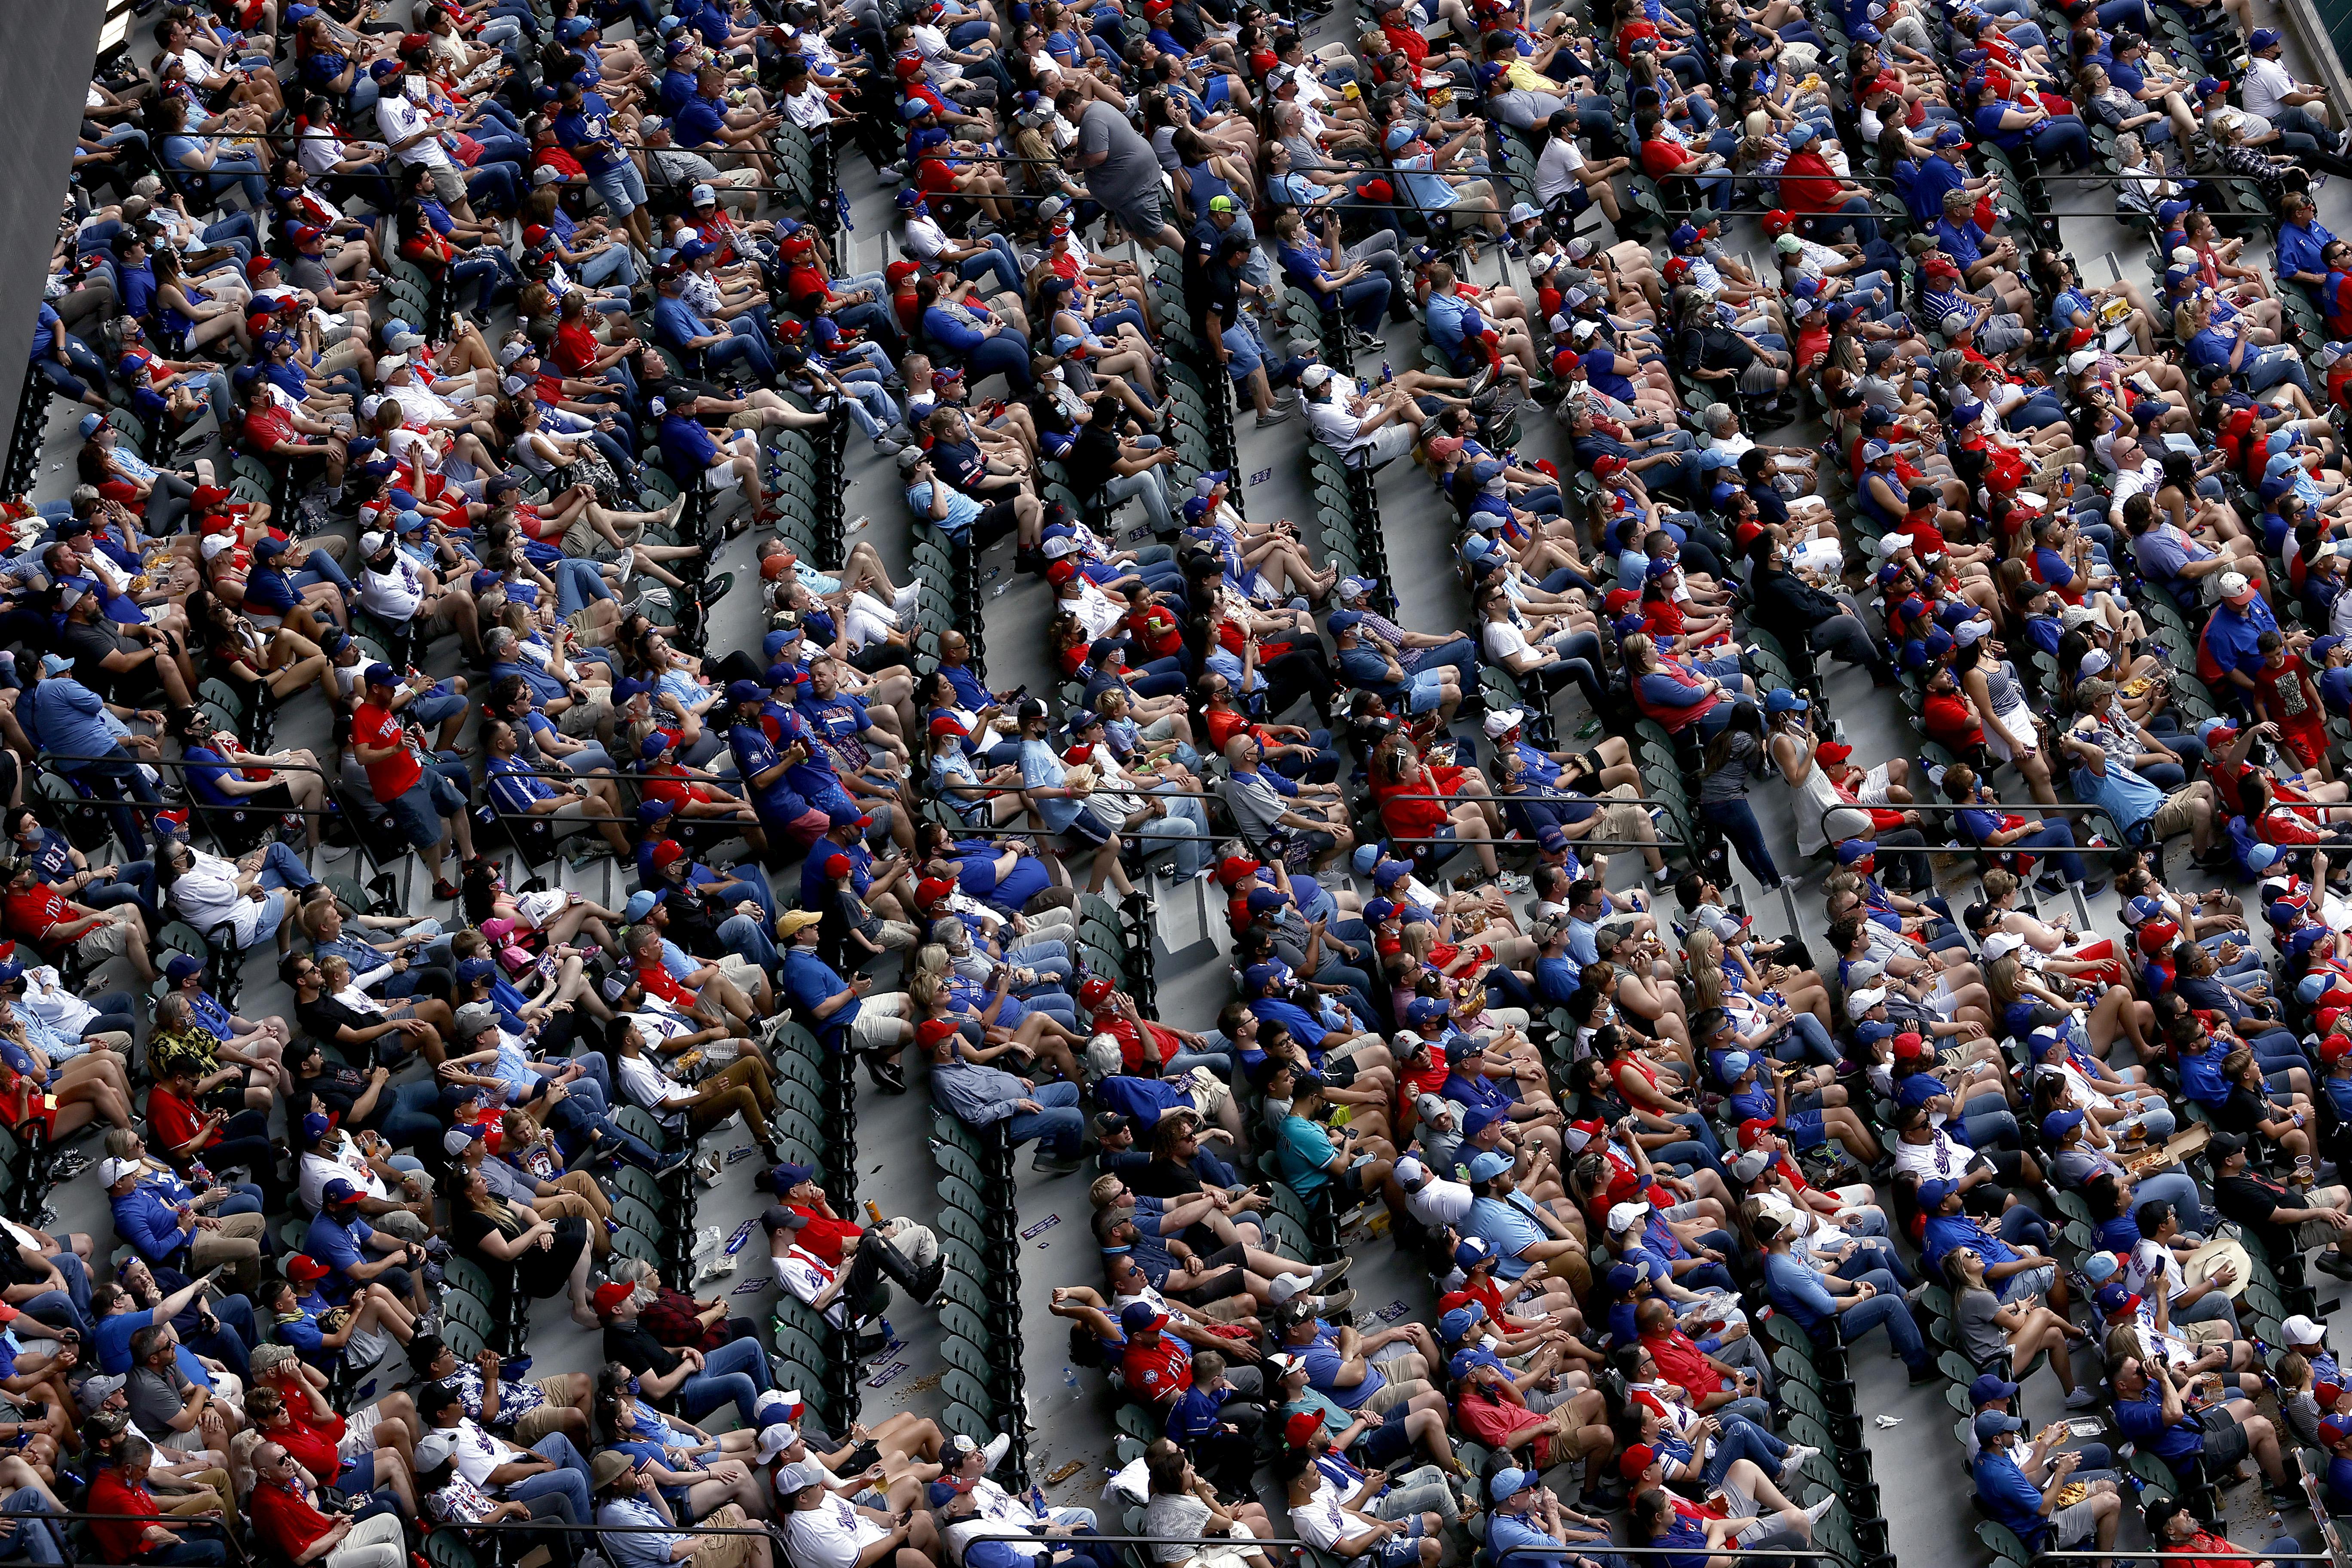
47,47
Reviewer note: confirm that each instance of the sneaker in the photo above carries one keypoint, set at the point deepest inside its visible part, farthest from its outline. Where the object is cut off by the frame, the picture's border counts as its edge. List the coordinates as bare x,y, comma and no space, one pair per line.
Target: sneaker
2335,1264
1332,1273
1813,1514
1797,1454
1274,415
992,1454
1923,1375
1512,882
1331,1304
1056,1164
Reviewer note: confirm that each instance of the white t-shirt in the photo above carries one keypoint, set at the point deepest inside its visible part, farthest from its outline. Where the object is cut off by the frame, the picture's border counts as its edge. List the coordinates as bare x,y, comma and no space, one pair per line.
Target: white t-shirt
395,594
478,1453
642,1081
346,1164
806,1275
829,1535
1504,641
2264,88
398,119
209,895
1440,1203
1556,170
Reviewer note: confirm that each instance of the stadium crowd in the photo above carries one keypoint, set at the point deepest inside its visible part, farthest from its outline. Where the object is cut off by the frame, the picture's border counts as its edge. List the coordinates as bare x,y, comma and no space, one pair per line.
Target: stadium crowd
471,334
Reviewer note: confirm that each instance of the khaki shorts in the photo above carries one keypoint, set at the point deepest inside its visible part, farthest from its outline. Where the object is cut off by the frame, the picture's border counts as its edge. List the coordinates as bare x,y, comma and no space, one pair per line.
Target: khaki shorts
1396,1392
723,1551
108,938
1209,1091
587,715
873,1028
745,974
2178,813
543,1421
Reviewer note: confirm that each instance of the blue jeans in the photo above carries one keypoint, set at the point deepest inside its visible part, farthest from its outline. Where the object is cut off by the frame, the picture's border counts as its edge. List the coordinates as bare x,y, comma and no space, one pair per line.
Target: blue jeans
569,1479
105,780
1735,819
613,265
81,371
749,939
29,1537
577,582
737,1370
998,258
135,884
1889,1308
1059,1127
2057,840
1743,1439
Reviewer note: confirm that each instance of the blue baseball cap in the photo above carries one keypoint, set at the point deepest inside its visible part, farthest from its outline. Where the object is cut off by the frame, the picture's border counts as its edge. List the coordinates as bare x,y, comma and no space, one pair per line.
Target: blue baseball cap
1736,1063
653,745
1460,1321
1990,1386
1932,1193
1425,1010
1854,849
1785,699
1401,134
1472,1252
1257,977
1490,1165
1509,1481
2058,1123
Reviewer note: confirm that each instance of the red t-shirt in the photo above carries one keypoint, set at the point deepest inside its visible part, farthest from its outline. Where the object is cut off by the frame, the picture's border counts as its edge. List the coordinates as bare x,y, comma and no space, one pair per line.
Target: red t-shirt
32,915
173,1120
1808,184
576,346
271,427
110,1493
1154,1372
823,1235
286,1519
395,776
669,782
1680,1361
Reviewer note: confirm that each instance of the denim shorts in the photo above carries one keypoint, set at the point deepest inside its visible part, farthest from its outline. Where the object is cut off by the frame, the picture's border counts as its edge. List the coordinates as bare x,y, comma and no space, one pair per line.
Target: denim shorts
419,811
622,188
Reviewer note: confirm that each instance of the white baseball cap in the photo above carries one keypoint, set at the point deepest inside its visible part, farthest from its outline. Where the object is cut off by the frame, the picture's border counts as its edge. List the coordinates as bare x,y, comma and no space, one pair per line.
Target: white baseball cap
2000,945
112,1171
1857,1002
2233,584
775,1440
2302,1331
1625,1217
1503,724
1286,1286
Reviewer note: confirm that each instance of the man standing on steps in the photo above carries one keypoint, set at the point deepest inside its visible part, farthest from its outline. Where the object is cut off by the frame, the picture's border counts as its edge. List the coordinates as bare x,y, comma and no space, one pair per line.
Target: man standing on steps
1119,168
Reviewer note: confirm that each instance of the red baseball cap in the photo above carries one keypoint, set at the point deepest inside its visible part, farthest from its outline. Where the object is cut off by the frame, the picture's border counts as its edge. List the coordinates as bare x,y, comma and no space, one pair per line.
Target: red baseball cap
1095,992
668,852
1752,1130
931,1031
302,1267
1635,1461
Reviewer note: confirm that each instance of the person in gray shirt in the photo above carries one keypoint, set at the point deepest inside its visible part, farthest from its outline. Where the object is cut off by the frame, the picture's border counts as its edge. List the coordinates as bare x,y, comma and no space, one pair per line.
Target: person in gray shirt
1119,168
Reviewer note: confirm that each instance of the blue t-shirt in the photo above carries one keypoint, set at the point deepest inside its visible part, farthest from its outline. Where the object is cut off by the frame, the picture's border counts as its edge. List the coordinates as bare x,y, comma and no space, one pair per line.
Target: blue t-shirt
2141,1421
809,980
586,133
1323,1361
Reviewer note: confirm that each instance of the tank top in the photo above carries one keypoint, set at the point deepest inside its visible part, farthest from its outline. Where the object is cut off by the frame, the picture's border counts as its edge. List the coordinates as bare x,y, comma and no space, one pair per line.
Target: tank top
1814,795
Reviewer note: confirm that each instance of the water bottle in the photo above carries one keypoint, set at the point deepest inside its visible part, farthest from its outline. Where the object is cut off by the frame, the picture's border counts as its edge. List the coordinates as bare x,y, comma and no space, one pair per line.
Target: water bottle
1036,1499
1070,1378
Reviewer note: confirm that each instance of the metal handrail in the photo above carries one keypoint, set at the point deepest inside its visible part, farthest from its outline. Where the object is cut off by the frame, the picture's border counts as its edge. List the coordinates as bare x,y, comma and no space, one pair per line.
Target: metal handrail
2064,808
166,1521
